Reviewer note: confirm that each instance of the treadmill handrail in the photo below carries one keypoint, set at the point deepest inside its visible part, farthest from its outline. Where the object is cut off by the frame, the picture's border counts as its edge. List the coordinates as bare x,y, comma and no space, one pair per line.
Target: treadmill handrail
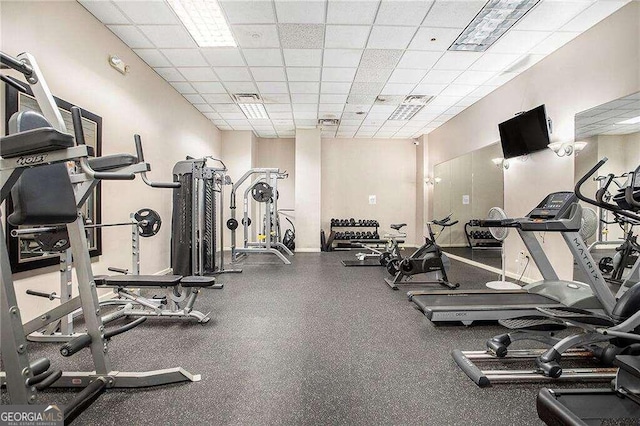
603,204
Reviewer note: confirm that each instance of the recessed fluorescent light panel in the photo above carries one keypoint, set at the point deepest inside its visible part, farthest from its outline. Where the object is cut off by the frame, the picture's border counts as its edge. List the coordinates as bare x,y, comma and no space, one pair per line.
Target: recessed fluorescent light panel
495,19
254,111
634,120
204,21
409,107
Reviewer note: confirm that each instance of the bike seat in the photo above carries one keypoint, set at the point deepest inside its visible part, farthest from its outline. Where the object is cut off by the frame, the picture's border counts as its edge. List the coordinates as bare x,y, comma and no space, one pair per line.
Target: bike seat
397,226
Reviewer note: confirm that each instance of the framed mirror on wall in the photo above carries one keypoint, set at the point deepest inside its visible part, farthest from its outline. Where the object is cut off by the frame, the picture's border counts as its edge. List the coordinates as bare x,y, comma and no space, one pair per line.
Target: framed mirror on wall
609,130
26,253
467,187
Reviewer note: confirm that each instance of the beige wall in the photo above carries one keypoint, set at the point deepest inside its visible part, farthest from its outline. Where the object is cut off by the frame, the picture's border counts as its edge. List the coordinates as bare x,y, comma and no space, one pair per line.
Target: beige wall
72,48
353,169
308,189
600,65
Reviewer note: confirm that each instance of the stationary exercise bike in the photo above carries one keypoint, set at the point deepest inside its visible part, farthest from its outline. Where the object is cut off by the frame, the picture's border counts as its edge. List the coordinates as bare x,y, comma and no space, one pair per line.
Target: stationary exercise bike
428,259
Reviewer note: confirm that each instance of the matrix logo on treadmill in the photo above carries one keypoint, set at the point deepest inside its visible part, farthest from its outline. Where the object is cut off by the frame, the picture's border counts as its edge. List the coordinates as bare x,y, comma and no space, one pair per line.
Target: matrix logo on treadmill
583,251
34,159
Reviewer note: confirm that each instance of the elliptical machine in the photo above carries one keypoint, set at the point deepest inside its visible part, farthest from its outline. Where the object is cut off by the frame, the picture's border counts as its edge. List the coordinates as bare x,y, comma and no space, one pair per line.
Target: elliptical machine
428,259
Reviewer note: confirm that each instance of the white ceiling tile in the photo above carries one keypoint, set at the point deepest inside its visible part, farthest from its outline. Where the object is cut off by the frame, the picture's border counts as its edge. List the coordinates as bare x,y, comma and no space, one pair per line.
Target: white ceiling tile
381,115
301,36
458,90
338,74
297,108
346,36
148,12
168,36
248,12
183,88
398,88
455,110
184,57
306,123
303,57
482,91
394,12
468,101
501,79
268,74
105,11
256,36
300,12
195,99
303,74
304,87
342,12
220,98
223,56
413,59
383,37
131,36
224,108
456,60
549,16
440,77
272,87
212,115
494,61
233,73
341,58
280,115
553,42
390,100
278,108
332,98
203,107
380,58
474,77
334,108
359,88
387,109
234,118
209,87
518,41
198,74
435,109
353,122
359,103
406,76
434,39
240,86
373,75
263,57
152,57
169,74
428,89
276,98
452,13
594,14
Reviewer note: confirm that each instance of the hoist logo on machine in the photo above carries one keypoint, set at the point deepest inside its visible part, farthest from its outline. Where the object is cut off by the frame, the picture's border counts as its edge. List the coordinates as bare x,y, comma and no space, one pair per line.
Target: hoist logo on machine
34,159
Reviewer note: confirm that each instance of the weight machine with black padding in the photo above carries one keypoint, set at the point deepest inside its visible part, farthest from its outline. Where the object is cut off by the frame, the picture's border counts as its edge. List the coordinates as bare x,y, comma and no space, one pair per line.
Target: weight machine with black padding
33,167
264,190
198,205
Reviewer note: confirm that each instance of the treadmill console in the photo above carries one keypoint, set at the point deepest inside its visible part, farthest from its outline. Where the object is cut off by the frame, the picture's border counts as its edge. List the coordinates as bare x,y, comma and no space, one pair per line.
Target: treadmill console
554,206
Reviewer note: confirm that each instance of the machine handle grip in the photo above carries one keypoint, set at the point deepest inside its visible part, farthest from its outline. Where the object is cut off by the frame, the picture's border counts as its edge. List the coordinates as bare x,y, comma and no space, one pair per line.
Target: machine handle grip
139,152
470,369
84,399
133,324
584,178
140,155
16,64
13,83
50,296
628,191
39,366
75,345
50,378
118,270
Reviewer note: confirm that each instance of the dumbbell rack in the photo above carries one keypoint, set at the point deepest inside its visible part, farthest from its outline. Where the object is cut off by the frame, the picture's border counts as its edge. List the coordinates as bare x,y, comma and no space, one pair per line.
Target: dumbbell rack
344,242
480,243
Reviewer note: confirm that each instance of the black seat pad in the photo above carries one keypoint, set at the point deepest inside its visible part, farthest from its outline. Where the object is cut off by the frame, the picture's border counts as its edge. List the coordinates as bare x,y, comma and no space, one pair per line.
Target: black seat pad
140,281
35,141
110,162
629,363
397,226
197,281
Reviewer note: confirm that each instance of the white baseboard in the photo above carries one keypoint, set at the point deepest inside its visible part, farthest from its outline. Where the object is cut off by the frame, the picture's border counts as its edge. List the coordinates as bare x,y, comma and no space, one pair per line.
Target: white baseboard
488,268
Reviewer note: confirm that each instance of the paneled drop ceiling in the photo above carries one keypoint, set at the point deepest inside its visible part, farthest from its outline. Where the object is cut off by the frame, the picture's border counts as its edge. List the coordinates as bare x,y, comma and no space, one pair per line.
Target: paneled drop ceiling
311,59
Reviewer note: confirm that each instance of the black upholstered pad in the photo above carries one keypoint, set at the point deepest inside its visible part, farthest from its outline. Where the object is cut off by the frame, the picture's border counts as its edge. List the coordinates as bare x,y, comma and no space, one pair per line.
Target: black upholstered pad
196,281
141,281
34,141
110,162
397,226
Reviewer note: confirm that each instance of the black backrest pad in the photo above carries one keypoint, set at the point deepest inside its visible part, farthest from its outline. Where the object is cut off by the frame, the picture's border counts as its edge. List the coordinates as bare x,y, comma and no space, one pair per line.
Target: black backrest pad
43,196
628,304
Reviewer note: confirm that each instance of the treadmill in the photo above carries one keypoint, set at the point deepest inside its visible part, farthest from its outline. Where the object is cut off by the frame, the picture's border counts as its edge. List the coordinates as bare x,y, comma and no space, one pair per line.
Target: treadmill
557,212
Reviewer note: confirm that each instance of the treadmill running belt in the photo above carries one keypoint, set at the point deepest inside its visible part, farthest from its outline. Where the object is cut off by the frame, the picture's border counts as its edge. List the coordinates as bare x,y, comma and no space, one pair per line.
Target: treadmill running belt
435,302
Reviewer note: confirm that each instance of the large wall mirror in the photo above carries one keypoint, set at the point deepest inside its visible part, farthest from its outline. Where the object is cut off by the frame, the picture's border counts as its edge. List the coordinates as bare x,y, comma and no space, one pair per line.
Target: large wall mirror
467,187
610,130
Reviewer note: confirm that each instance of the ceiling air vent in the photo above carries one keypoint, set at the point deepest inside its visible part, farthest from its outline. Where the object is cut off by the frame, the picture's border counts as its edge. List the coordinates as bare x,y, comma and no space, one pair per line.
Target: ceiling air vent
328,122
247,98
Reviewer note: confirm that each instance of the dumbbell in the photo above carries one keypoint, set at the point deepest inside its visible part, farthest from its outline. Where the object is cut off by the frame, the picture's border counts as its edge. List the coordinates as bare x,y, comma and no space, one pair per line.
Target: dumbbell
376,236
333,222
352,221
369,235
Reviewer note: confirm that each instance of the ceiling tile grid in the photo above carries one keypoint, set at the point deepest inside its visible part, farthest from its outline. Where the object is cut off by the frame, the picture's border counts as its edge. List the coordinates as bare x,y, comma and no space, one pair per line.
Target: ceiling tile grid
354,60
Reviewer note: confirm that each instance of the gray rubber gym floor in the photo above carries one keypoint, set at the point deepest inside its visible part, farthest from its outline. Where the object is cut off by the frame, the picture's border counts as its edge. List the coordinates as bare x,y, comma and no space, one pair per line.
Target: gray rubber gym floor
311,343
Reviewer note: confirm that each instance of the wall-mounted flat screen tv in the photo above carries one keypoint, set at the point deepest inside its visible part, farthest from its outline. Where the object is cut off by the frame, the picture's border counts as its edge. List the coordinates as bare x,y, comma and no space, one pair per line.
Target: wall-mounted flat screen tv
525,133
